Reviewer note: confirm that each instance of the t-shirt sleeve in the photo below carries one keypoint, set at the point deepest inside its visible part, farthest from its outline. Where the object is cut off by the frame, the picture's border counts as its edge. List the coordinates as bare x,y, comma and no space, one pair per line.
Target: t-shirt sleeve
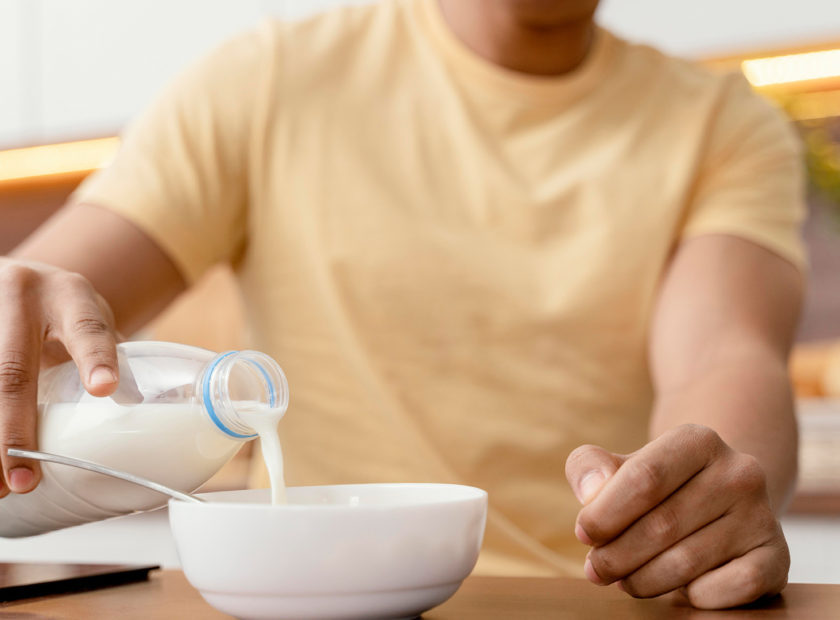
180,173
751,177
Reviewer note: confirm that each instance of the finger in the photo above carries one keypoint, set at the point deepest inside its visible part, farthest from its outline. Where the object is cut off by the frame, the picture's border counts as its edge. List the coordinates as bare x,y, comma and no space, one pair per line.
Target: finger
686,511
587,468
646,478
701,552
20,349
84,326
763,571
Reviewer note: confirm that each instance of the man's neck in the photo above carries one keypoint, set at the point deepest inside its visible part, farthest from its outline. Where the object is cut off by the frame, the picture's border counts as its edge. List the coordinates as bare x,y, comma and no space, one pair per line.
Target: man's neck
496,35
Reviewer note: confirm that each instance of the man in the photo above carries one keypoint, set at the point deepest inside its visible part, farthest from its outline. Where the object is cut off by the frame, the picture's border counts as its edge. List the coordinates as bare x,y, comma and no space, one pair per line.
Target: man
476,235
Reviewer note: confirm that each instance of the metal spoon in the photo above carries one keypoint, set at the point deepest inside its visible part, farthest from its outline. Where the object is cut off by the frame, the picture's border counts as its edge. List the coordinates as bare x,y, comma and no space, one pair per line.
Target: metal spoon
101,469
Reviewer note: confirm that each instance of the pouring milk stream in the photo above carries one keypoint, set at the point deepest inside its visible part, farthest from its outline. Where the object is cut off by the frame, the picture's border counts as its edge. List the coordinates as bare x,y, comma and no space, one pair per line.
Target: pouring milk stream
264,420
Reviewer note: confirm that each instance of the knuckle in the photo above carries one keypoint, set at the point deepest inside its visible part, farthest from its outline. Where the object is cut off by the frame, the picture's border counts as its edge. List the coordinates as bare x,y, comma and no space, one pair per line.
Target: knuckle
663,525
706,437
89,325
645,477
16,277
73,282
689,562
16,436
748,476
16,378
702,437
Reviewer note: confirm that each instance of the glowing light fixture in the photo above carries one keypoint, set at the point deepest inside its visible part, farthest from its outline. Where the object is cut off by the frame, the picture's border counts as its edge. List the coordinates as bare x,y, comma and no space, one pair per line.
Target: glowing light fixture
792,68
51,159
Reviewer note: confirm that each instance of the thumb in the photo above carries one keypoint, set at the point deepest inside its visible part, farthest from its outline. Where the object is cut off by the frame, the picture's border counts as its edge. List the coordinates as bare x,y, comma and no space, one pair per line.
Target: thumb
588,468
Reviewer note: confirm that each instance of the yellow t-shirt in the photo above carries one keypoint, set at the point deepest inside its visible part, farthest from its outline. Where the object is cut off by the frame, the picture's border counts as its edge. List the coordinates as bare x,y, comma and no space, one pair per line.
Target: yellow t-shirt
454,263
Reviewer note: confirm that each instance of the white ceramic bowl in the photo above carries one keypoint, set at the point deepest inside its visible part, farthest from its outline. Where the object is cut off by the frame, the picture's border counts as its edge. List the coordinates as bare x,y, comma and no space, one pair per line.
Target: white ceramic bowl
350,551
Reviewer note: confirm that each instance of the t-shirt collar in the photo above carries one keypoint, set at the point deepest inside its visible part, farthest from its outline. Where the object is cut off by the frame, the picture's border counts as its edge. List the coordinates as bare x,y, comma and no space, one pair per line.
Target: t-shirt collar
513,84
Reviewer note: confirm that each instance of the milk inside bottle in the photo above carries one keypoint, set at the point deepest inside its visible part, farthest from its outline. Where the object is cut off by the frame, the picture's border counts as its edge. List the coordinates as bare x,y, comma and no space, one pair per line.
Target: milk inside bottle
179,414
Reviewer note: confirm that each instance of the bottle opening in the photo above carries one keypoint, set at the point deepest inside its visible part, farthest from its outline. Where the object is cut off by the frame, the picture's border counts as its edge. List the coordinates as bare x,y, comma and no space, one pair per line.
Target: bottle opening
246,381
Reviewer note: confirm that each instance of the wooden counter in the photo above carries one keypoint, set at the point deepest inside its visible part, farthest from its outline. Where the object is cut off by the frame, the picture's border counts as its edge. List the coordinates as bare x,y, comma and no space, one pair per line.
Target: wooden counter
168,595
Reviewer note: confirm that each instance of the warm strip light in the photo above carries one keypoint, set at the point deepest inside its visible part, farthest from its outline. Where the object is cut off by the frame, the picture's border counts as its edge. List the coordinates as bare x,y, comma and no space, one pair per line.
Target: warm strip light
792,68
35,161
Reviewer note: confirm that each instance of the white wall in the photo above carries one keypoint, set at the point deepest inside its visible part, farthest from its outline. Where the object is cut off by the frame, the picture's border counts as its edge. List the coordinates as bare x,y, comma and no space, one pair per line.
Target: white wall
15,124
101,60
717,27
691,28
74,68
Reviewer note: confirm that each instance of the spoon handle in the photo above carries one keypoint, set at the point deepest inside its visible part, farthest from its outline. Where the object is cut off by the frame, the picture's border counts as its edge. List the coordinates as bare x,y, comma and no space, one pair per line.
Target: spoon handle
101,469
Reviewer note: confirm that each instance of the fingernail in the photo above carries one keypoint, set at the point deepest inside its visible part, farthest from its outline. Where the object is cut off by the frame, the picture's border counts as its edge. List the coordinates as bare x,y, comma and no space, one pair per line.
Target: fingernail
102,375
21,479
590,484
590,573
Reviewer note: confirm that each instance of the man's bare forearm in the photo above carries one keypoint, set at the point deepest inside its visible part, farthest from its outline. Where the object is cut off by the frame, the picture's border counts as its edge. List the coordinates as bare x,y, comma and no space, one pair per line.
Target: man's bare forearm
745,396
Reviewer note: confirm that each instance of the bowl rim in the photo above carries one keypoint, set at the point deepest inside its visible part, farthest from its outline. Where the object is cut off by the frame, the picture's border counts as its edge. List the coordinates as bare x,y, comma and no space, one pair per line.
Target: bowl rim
472,494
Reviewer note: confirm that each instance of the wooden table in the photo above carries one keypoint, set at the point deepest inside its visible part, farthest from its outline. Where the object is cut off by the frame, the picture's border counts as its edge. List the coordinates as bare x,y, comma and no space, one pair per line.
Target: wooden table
167,595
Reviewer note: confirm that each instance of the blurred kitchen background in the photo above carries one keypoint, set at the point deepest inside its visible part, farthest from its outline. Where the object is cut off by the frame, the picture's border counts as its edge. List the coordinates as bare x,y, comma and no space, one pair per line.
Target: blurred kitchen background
72,72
